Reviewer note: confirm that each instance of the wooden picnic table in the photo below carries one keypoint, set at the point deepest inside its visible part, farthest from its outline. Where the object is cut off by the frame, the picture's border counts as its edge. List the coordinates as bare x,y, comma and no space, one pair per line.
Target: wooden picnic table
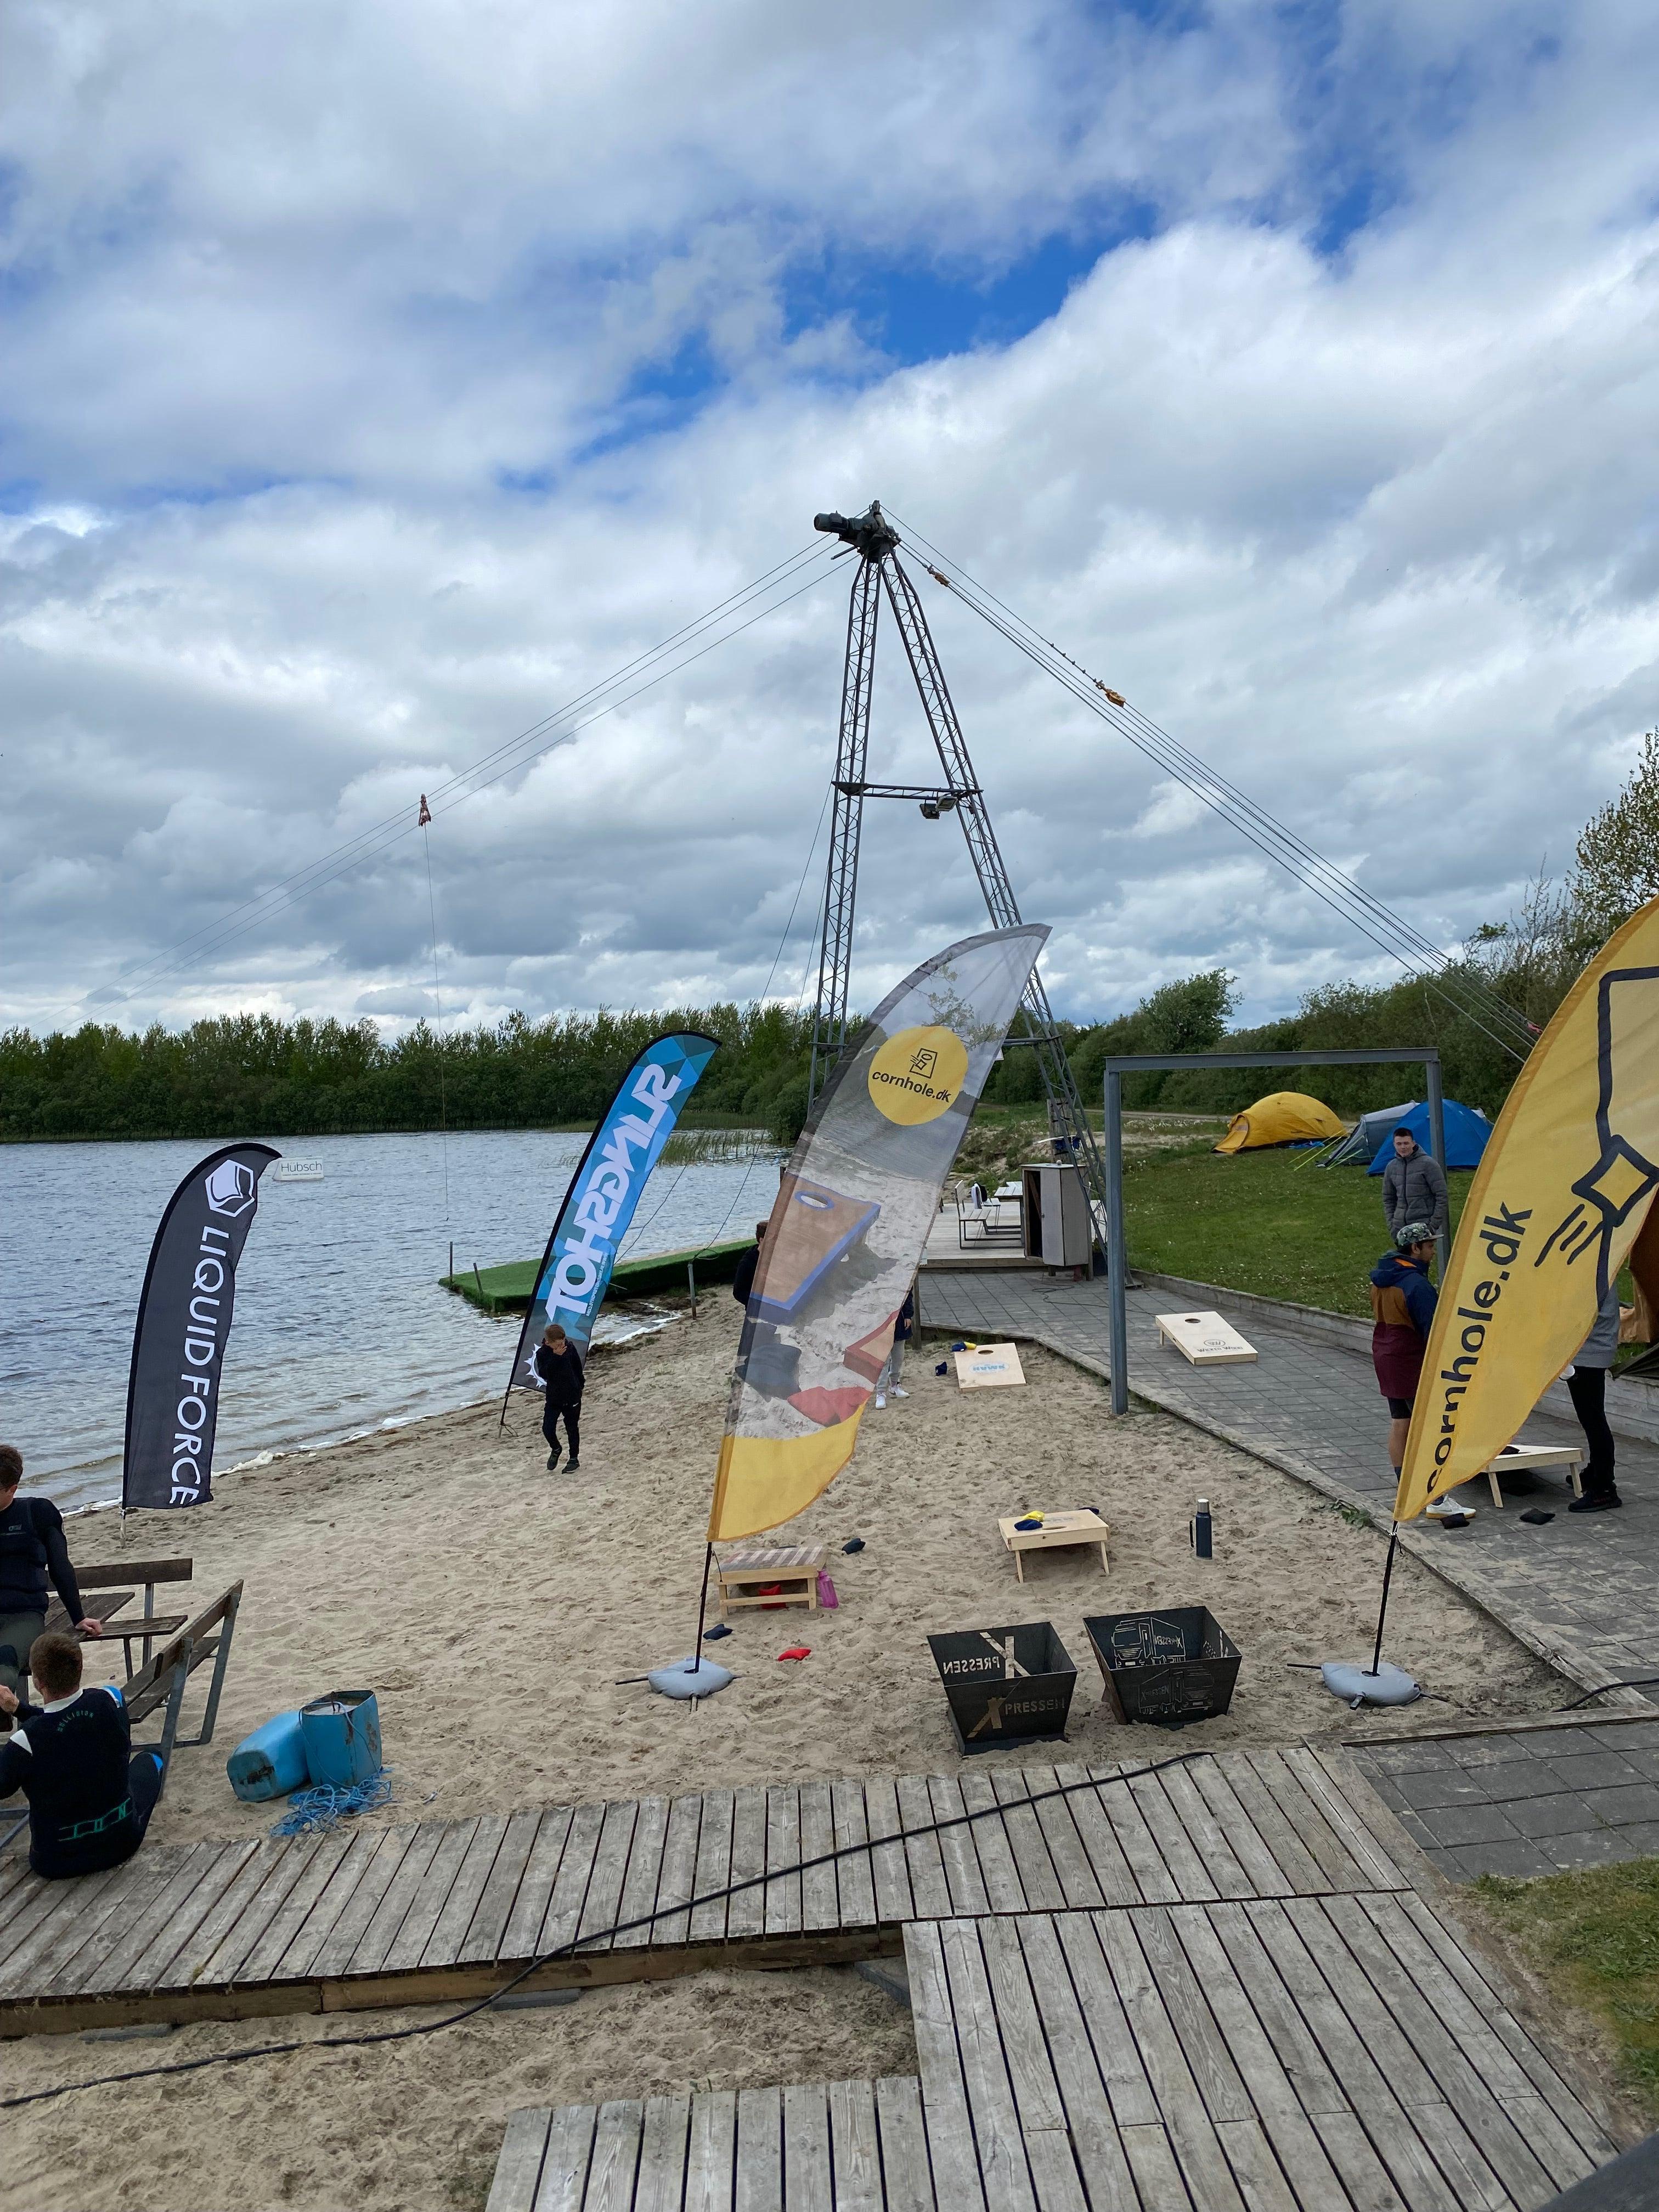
104,1601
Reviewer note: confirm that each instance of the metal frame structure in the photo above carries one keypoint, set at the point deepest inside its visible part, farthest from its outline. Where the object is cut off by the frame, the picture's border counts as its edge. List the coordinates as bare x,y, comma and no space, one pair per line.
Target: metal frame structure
1145,1063
875,542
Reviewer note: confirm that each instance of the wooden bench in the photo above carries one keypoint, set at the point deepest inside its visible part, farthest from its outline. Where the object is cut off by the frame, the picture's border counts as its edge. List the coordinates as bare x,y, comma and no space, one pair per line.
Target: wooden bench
159,1682
104,1601
747,1578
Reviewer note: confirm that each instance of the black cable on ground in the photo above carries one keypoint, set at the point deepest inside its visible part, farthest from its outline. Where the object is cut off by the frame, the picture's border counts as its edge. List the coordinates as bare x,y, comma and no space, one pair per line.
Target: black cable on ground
1641,1682
576,1943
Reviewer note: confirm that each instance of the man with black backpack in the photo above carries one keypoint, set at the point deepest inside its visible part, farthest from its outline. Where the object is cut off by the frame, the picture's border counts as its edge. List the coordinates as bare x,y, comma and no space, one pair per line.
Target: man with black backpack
31,1548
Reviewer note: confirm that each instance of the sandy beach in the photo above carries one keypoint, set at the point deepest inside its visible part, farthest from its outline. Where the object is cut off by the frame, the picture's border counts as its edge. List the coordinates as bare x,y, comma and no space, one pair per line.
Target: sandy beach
494,1608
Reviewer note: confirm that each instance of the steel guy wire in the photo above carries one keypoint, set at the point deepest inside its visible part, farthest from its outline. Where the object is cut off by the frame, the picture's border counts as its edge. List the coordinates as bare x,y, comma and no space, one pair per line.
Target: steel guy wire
1336,890
347,859
285,892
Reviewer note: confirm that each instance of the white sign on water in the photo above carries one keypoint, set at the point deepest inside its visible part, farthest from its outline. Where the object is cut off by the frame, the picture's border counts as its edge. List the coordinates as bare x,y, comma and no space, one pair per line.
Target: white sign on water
342,1325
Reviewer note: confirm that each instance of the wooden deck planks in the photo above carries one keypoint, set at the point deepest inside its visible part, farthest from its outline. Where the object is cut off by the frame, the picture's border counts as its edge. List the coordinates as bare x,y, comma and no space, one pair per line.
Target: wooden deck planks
521,1937
854,1880
488,1927
506,1889
1338,2052
712,2153
713,1871
820,1898
746,1912
1318,2054
677,1883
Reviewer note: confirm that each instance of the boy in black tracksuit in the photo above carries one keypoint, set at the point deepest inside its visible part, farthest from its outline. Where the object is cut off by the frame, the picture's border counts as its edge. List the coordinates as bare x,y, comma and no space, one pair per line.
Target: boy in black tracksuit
560,1366
90,1797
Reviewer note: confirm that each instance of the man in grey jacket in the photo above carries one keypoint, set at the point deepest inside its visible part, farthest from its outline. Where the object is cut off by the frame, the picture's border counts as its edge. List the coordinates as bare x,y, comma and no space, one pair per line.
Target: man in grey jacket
1413,1187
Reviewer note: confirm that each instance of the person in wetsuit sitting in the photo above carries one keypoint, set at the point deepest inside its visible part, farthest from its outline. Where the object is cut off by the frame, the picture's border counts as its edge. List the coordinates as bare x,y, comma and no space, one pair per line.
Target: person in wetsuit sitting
90,1797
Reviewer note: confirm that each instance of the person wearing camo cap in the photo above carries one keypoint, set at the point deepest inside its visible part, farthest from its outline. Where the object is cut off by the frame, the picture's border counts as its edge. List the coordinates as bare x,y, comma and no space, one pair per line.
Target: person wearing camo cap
1402,1309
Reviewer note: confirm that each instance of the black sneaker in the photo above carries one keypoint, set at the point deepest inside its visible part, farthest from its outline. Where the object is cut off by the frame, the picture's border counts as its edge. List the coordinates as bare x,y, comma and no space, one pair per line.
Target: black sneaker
552,1462
575,1466
1602,1501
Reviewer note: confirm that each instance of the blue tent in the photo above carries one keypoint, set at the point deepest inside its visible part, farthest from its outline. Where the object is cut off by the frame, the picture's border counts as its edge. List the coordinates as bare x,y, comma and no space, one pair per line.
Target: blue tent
1467,1134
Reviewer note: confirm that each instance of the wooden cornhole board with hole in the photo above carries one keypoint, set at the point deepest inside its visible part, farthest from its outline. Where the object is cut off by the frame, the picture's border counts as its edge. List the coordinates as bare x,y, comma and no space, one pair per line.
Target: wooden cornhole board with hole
988,1367
1204,1339
1083,1526
746,1578
1528,1459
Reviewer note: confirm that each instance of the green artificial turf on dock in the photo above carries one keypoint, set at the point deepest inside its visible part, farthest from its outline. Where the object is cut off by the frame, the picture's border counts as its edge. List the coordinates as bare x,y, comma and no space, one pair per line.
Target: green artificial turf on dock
508,1288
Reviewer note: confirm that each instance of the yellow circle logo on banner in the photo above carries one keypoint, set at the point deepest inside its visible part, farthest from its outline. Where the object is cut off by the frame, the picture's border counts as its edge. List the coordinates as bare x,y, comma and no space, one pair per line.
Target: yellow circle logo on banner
918,1073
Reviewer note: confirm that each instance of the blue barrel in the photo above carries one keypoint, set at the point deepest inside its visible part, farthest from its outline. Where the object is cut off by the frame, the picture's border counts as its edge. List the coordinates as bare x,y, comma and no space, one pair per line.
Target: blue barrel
271,1762
342,1737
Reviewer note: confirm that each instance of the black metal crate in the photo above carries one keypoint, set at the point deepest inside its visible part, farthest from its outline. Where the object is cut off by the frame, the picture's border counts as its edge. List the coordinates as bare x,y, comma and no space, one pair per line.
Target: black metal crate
1005,1685
1170,1667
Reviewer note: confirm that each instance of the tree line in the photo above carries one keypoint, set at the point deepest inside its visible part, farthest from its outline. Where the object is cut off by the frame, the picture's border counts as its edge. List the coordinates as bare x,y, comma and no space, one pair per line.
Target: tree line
248,1075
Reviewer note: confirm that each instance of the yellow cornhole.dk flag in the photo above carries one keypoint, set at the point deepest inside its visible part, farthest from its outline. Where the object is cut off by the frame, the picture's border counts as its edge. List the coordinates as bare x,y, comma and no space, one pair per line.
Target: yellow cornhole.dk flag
1559,1197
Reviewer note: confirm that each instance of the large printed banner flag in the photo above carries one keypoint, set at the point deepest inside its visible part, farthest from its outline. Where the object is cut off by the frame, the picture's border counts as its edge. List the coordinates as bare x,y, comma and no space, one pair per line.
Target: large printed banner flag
598,1205
850,1224
184,1321
1557,1200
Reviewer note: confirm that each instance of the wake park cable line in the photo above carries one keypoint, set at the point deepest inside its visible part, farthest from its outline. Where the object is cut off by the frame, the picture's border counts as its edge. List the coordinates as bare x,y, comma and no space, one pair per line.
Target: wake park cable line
578,1942
514,753
1173,754
1388,930
737,1197
437,1007
1326,882
1402,944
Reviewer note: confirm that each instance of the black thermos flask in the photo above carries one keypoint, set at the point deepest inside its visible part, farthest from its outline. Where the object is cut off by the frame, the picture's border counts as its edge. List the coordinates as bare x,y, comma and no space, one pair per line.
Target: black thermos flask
1201,1530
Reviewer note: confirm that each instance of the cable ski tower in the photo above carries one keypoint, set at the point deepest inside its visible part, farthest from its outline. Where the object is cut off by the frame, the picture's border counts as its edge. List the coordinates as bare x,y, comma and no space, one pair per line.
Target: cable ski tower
875,541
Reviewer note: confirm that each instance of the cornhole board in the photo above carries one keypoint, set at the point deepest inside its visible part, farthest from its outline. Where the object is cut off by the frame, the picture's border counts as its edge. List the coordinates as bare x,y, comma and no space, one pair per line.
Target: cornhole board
1083,1526
1526,1459
990,1367
1204,1338
770,1576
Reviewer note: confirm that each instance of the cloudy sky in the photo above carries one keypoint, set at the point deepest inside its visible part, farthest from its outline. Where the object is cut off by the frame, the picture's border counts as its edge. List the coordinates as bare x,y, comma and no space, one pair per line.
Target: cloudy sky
378,379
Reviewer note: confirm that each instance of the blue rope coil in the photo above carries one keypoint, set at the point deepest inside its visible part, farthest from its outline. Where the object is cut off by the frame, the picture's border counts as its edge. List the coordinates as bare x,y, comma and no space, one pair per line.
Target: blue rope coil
321,1808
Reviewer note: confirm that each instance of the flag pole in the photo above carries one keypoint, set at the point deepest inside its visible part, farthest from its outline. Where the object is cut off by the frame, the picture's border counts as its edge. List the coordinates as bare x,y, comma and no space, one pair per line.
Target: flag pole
1381,1610
703,1608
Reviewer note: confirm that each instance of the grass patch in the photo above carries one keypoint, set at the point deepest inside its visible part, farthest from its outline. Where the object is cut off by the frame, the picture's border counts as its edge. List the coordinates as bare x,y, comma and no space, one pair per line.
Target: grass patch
1271,1222
1594,1937
1352,1514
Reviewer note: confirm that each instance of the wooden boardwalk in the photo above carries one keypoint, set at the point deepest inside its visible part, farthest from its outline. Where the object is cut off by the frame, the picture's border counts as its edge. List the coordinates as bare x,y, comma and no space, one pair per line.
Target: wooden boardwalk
827,2146
410,1914
1332,2053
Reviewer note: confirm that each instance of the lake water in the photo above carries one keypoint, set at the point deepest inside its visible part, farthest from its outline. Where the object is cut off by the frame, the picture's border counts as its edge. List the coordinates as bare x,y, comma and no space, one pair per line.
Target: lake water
341,1324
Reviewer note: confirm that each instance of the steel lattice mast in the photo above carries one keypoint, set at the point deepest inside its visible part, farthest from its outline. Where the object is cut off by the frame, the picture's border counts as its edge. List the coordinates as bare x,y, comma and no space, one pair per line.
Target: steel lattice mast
876,543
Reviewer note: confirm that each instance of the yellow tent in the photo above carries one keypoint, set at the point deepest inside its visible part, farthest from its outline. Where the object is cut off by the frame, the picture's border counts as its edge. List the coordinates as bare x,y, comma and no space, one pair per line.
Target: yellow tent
1285,1117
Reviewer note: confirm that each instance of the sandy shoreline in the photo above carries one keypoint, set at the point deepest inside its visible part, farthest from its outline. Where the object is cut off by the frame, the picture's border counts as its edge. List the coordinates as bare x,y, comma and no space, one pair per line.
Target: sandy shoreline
493,1609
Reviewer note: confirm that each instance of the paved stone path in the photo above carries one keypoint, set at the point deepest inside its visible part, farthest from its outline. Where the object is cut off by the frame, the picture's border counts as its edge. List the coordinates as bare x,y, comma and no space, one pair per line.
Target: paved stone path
1583,1591
1535,1801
